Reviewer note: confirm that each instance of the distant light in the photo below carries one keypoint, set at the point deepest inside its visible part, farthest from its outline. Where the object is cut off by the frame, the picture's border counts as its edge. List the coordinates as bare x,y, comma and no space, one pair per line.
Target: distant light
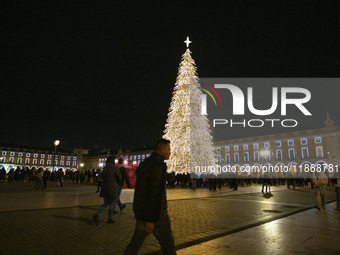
56,142
265,153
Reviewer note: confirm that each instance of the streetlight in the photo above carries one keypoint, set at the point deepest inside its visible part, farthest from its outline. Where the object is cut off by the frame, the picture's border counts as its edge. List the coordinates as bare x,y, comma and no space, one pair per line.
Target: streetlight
56,143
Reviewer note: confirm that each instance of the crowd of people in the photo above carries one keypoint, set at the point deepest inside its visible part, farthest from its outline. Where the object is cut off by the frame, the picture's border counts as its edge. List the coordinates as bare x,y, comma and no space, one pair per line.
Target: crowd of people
213,182
150,200
206,181
27,175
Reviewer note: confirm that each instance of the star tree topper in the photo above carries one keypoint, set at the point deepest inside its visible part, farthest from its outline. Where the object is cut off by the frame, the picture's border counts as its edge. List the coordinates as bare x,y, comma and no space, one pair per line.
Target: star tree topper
187,41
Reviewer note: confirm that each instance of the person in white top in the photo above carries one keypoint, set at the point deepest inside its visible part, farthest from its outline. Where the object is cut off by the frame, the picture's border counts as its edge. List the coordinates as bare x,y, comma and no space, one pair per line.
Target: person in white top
320,190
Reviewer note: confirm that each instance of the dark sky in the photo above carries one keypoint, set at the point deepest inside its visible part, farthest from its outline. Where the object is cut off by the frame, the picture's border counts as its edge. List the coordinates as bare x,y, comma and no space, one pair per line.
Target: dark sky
103,73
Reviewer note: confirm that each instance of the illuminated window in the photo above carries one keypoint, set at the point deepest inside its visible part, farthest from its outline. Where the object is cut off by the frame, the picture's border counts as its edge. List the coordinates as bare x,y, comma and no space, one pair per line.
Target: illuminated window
35,155
48,162
255,146
12,153
278,143
246,157
290,142
34,161
227,158
318,139
256,156
319,152
4,153
218,149
28,155
20,154
19,161
49,156
68,158
74,158
42,156
41,162
219,158
227,149
235,147
245,147
74,163
3,159
267,156
303,141
27,161
266,145
67,163
61,163
236,157
11,160
278,154
291,153
62,157
304,152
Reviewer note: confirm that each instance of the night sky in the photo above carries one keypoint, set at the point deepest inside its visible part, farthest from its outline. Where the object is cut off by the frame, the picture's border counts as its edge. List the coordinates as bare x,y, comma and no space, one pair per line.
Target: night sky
102,73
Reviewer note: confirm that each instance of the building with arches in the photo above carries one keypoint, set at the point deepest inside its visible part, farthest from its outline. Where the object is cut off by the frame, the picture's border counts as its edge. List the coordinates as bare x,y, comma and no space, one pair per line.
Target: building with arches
29,157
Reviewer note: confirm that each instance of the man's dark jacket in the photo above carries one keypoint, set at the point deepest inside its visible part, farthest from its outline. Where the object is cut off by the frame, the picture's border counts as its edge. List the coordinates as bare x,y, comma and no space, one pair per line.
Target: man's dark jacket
111,176
125,177
150,188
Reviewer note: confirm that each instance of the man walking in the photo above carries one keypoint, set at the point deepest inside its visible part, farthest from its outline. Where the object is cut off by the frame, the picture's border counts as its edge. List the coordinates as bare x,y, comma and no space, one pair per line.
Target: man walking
110,176
125,178
150,205
99,179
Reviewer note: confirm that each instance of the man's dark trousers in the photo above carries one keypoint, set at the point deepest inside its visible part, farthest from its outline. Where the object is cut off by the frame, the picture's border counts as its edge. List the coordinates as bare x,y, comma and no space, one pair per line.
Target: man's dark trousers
162,232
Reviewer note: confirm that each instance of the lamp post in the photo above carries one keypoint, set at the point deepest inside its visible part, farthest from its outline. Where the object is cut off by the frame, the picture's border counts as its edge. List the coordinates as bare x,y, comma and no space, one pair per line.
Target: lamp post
56,143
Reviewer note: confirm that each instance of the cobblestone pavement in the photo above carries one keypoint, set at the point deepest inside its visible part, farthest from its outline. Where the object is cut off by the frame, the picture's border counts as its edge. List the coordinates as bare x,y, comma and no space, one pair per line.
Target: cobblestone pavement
36,222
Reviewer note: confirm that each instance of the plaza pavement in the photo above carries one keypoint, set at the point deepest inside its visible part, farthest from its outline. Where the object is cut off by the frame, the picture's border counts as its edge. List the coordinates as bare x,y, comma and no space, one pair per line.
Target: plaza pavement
58,221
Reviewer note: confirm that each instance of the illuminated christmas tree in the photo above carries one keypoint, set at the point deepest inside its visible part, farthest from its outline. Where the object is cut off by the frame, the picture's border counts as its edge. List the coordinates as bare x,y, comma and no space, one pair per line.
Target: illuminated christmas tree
187,128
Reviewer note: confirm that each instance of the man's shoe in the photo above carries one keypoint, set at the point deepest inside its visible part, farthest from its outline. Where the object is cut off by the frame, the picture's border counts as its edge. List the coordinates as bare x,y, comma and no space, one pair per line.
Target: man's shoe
110,221
115,212
95,219
319,208
123,206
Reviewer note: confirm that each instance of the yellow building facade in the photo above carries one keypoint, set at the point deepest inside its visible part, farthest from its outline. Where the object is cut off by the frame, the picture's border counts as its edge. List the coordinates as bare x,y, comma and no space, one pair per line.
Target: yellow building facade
297,151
